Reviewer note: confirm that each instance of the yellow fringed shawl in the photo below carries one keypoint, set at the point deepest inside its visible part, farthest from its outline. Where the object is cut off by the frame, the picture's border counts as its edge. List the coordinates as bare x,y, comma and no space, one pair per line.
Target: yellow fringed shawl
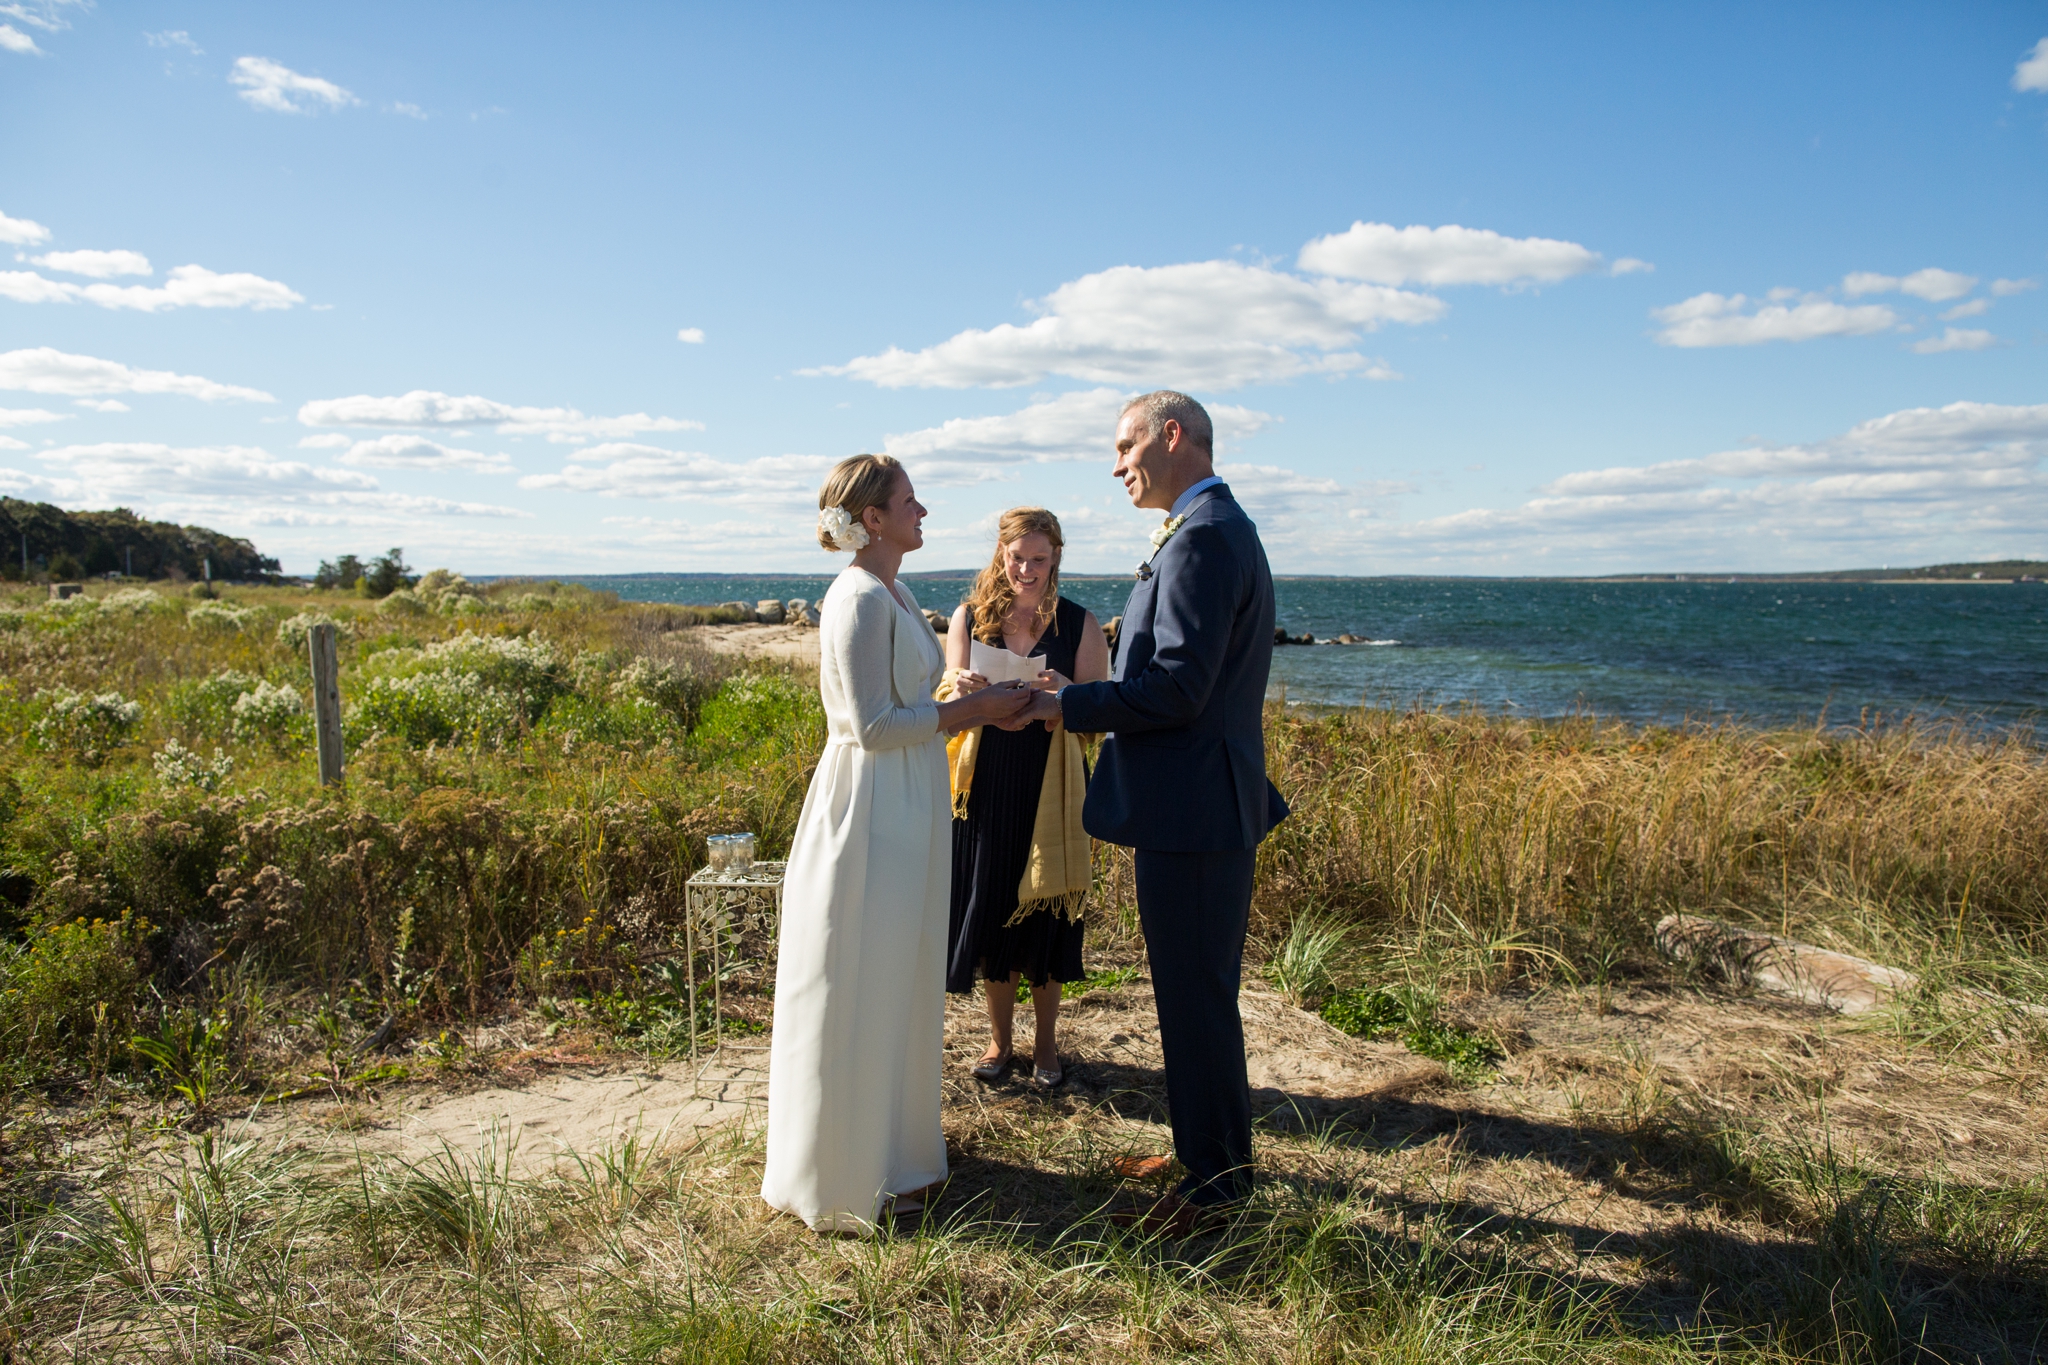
1057,875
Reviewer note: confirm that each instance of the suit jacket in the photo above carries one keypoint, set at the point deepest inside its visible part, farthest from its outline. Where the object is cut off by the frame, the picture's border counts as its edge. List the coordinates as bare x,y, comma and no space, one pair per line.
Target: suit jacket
1183,769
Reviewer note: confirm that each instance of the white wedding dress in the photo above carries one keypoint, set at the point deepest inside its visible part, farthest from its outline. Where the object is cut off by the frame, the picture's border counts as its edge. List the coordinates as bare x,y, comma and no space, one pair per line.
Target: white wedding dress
854,1061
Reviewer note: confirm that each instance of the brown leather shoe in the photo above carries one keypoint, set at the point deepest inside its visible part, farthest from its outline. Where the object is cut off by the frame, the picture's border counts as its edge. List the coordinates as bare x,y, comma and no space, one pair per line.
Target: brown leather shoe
1141,1167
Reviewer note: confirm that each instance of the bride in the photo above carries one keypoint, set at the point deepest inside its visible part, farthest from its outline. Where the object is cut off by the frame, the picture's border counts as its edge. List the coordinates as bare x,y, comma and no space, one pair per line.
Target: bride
854,1061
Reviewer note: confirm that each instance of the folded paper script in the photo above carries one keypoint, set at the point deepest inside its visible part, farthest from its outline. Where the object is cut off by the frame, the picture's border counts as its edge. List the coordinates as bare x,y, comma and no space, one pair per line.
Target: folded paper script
1000,665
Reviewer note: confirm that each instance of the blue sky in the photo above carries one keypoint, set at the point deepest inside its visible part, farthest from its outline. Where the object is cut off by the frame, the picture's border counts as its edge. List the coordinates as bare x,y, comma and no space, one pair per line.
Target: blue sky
1483,289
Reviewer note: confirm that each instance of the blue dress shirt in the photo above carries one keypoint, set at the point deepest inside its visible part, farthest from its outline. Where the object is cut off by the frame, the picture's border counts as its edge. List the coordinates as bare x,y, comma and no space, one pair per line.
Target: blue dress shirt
1180,504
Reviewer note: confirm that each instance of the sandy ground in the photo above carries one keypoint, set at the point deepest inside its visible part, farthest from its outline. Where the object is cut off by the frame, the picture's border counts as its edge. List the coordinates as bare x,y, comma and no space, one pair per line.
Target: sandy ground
759,642
1582,1082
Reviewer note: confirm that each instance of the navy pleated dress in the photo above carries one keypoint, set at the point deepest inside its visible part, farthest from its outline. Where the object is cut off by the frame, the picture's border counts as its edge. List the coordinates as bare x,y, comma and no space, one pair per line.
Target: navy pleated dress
993,844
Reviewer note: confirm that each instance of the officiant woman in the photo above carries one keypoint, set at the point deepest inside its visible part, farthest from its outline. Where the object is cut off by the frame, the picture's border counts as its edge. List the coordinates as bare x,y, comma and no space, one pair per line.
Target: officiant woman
1020,858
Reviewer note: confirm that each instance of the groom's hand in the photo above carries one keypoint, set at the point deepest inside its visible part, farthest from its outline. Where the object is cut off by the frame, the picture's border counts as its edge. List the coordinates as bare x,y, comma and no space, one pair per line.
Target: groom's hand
1043,706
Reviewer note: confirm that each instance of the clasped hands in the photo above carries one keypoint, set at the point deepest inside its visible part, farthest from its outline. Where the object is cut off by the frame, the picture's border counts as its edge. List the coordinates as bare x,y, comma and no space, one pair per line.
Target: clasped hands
1040,698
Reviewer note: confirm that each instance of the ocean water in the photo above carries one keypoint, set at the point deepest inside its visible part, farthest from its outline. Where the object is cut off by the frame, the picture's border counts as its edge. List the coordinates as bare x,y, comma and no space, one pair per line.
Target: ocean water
1662,652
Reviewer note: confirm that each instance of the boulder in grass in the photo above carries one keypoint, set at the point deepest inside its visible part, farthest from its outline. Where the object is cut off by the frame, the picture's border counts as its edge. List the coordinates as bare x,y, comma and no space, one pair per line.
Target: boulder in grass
795,610
769,612
811,617
739,609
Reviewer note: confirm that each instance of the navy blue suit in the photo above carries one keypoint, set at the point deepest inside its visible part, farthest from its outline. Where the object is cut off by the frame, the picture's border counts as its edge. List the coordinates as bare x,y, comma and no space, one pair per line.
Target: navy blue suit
1182,779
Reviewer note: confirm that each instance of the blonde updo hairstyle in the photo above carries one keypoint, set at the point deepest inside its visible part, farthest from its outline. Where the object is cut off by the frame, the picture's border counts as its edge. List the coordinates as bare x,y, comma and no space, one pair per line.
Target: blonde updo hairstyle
992,596
857,483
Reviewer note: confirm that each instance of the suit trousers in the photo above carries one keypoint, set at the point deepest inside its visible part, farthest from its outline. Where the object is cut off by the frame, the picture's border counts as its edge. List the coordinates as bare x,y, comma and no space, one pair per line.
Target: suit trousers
1194,907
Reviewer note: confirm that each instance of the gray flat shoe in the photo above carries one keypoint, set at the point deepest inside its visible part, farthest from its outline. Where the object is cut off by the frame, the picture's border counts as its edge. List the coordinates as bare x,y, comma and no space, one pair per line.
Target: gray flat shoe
1048,1080
996,1070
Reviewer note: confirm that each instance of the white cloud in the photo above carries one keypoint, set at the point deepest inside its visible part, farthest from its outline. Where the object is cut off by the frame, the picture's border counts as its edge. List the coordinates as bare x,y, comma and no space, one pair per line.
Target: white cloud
2032,72
190,286
694,336
1072,426
44,369
425,409
272,85
1720,320
2007,288
176,37
1956,339
102,404
1629,265
409,110
14,40
21,232
230,487
416,452
1206,325
100,265
47,15
24,417
9,443
25,286
1385,254
332,440
116,470
1974,308
1924,477
1936,286
639,471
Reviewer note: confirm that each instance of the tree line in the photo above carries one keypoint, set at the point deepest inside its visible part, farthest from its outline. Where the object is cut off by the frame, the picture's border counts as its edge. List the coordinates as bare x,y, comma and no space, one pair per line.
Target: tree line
39,540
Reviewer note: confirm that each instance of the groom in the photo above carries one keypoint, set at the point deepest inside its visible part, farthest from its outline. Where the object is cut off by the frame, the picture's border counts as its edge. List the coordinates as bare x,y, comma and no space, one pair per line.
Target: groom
1182,777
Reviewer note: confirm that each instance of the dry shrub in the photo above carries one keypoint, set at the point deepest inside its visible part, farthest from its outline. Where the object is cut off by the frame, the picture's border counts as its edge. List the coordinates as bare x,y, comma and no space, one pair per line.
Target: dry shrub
1523,840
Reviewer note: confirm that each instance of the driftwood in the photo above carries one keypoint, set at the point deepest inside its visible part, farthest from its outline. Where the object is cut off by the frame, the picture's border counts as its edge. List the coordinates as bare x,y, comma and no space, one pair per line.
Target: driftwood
1819,976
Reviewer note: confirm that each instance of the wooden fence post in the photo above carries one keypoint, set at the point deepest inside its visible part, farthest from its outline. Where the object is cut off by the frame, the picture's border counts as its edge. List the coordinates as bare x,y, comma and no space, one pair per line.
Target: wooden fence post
326,701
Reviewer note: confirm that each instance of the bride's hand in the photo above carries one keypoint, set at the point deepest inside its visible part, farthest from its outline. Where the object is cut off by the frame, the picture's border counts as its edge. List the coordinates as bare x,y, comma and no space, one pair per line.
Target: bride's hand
994,703
964,683
1051,680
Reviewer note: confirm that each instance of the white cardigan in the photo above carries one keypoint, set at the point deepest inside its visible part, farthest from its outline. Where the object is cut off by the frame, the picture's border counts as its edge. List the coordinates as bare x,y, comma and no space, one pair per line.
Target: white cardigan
878,665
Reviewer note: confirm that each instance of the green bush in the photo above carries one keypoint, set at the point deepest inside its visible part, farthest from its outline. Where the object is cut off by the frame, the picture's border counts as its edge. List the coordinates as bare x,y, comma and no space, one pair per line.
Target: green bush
630,721
771,713
437,708
68,992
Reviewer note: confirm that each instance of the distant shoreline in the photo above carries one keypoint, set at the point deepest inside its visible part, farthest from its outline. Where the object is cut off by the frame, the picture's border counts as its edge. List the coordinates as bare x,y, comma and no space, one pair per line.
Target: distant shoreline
2001,571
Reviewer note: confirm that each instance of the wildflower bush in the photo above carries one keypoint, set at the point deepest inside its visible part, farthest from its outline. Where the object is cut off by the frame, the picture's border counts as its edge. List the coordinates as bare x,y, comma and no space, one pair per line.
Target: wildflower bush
296,629
219,615
129,602
178,766
85,726
268,712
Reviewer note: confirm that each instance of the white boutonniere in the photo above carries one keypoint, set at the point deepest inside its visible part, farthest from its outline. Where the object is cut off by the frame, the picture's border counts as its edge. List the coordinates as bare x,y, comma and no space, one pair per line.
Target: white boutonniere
1159,539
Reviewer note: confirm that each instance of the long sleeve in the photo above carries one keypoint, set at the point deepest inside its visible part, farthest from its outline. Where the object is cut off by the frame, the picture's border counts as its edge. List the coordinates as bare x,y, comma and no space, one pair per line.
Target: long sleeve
1191,628
859,644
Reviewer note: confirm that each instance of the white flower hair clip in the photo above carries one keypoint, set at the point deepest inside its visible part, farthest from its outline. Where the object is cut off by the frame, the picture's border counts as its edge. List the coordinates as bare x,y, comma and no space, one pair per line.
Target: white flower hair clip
841,529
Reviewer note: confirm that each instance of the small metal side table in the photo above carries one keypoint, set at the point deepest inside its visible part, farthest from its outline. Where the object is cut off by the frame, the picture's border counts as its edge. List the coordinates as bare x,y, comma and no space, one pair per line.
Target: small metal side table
728,918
